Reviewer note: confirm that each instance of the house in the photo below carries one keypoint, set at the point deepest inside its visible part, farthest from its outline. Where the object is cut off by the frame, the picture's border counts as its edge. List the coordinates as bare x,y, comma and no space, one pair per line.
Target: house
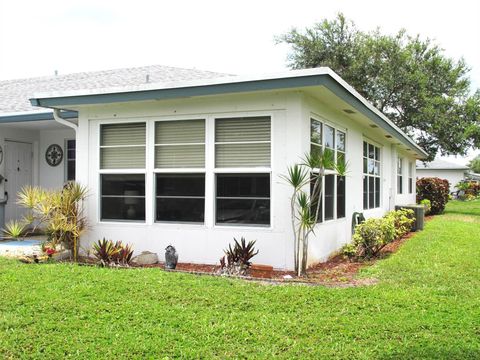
196,160
442,169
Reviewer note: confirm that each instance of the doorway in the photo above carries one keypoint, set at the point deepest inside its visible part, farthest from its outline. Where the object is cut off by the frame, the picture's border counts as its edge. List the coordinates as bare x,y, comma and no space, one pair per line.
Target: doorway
18,173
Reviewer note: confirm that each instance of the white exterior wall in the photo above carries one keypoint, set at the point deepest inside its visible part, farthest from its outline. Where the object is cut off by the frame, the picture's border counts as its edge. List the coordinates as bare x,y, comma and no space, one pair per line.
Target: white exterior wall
333,234
53,177
290,113
453,176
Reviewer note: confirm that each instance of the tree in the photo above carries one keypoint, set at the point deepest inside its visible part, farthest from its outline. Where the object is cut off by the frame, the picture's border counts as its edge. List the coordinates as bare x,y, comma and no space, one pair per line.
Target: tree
306,179
409,79
475,165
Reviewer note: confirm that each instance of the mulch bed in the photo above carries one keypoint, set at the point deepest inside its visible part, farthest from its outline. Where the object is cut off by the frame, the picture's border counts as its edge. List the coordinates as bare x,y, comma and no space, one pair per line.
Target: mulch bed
338,271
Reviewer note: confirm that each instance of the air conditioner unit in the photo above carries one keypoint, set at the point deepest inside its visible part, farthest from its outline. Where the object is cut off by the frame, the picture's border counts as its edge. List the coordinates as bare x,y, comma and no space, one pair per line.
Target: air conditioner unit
419,211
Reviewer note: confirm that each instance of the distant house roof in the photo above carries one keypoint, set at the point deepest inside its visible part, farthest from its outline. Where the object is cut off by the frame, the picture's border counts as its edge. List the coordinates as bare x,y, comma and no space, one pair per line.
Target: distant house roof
440,165
15,94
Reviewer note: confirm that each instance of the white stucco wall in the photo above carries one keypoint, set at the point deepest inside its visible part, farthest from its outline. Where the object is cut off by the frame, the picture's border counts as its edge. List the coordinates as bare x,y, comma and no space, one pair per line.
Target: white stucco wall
453,176
53,177
290,113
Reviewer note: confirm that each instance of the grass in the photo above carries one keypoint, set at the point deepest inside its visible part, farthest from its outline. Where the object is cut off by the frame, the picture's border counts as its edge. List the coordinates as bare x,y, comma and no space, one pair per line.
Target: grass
426,305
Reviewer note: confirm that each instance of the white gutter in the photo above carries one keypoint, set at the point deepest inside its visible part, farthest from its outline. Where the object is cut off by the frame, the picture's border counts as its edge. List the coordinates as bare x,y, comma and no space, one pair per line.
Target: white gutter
60,120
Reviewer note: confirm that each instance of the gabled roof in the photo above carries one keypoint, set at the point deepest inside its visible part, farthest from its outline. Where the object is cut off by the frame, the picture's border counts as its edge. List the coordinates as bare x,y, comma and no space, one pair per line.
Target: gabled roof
70,100
15,94
439,164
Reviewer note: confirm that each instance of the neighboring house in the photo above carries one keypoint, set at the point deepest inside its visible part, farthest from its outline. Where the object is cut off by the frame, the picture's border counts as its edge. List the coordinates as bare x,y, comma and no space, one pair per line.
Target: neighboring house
442,169
195,162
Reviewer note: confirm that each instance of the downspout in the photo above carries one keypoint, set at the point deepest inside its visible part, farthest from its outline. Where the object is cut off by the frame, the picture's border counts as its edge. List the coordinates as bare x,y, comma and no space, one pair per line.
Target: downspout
60,120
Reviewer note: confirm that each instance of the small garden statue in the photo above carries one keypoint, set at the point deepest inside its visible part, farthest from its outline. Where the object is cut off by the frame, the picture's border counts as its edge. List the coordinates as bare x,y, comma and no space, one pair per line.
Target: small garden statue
171,257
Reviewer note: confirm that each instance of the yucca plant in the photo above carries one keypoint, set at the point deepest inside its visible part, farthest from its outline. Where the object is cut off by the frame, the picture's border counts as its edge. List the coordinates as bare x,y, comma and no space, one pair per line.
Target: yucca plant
306,179
14,229
60,212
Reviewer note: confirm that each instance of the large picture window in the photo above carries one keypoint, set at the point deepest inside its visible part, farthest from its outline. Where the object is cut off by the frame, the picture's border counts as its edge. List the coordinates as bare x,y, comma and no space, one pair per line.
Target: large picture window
243,199
324,136
371,176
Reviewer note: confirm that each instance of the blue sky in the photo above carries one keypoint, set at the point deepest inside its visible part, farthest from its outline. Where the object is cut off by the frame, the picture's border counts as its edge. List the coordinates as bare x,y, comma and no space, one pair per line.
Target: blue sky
39,37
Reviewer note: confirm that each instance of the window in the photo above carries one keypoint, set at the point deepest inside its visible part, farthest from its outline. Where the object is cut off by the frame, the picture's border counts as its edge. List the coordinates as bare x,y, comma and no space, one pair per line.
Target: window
410,177
324,136
242,142
70,163
180,144
122,196
243,199
180,197
122,146
371,176
399,175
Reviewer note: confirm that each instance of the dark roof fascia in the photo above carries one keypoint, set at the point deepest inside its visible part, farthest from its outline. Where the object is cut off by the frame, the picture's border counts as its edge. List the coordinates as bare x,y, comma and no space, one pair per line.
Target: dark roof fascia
40,116
227,88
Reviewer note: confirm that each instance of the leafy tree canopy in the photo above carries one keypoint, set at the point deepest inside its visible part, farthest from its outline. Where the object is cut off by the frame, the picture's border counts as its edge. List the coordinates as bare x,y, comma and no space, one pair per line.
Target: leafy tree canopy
475,165
409,79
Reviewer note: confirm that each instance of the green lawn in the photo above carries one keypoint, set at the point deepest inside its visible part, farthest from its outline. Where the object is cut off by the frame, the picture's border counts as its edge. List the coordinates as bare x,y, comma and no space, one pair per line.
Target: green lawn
426,305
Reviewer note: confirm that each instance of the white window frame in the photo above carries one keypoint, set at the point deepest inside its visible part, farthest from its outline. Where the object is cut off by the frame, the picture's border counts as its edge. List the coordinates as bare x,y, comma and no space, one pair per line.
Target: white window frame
241,170
210,171
324,122
379,176
144,171
410,177
65,176
400,175
182,170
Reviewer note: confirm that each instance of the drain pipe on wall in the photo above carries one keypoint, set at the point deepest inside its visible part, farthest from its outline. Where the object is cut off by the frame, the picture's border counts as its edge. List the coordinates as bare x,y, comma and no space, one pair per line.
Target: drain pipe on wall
60,120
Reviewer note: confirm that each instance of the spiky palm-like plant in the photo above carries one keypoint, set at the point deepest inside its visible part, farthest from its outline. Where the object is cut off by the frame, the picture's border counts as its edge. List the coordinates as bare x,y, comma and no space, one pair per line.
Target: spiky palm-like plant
59,211
306,179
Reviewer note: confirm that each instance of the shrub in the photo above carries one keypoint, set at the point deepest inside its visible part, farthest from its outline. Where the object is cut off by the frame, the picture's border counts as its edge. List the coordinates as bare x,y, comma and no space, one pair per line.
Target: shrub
403,220
238,258
370,237
109,253
470,189
436,190
427,204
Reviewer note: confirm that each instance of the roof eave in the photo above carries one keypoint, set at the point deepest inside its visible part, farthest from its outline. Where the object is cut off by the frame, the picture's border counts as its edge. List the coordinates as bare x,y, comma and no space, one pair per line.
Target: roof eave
311,77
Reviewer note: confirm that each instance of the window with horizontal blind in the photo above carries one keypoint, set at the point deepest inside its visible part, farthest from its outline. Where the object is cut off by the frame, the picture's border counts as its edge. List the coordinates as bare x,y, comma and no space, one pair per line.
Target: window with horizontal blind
400,175
122,146
242,142
180,144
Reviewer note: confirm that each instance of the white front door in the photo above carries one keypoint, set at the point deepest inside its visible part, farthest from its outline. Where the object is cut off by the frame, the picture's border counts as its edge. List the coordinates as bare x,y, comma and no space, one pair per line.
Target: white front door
18,172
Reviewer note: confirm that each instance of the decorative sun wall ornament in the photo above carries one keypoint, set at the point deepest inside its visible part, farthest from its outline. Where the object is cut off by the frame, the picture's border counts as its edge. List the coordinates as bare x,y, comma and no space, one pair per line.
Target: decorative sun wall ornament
54,155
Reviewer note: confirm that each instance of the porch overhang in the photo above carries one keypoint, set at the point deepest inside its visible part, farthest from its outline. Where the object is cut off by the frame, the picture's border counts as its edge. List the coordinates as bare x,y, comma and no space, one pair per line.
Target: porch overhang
8,118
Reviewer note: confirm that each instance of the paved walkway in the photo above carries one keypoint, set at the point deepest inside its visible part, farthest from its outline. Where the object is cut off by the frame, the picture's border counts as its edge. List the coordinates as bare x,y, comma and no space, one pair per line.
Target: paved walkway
18,248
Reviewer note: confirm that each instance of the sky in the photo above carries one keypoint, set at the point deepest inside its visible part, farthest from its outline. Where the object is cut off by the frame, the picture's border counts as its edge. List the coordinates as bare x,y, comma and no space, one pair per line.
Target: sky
38,38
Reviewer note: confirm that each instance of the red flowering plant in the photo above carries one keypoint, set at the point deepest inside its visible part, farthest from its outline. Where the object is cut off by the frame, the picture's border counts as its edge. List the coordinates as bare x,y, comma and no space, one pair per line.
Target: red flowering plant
48,249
